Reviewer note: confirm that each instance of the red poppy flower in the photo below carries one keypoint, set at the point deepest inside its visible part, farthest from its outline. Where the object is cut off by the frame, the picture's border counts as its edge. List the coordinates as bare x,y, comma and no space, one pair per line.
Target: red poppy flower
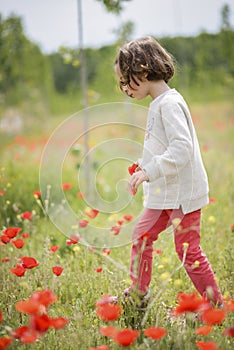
5,239
106,251
229,305
18,243
6,259
132,168
66,186
108,331
74,239
83,223
4,342
41,323
203,330
44,297
116,229
188,303
1,317
58,322
19,270
109,312
57,270
27,215
30,336
101,347
11,232
2,193
211,345
229,332
54,248
126,337
128,217
213,316
232,228
155,332
25,235
158,251
30,307
80,195
37,194
28,262
98,269
144,235
92,213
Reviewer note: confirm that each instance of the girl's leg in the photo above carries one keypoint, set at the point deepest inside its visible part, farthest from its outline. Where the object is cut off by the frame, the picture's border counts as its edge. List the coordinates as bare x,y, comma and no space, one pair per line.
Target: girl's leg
145,232
196,263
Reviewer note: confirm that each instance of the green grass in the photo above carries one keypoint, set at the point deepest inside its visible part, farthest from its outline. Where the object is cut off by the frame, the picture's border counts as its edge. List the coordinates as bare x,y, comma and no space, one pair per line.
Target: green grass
80,286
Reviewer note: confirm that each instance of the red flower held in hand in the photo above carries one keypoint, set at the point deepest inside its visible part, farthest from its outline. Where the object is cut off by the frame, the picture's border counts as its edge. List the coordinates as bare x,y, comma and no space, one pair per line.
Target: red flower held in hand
155,332
132,168
18,243
213,316
57,270
125,337
19,270
92,213
28,262
27,215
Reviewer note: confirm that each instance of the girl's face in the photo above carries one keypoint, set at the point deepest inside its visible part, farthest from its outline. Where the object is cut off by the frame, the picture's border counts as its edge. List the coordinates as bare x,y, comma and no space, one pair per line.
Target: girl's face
136,89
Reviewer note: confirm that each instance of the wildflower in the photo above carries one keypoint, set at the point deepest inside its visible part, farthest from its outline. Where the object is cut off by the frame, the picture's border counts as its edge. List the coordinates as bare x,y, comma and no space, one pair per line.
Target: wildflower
28,262
213,316
132,168
26,334
155,332
229,332
5,239
203,330
19,270
58,322
2,193
126,337
11,232
37,194
54,248
18,243
80,195
98,269
30,307
25,235
108,311
128,217
158,251
73,240
106,251
116,229
212,200
6,259
66,186
92,213
44,297
27,215
188,303
101,347
211,345
232,228
41,323
108,331
4,342
83,223
57,270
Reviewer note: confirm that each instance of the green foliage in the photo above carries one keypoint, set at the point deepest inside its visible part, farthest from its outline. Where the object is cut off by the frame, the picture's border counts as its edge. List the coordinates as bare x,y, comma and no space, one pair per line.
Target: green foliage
24,70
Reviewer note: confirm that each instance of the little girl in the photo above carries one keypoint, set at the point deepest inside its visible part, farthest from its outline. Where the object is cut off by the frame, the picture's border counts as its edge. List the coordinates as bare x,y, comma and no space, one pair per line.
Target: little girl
174,179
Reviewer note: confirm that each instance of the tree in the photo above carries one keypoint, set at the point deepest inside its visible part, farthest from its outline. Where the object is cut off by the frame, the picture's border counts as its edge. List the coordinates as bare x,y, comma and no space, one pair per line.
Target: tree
114,6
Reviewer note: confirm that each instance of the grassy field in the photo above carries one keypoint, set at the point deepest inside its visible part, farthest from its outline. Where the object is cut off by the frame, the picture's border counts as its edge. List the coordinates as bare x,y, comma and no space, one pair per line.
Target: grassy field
97,265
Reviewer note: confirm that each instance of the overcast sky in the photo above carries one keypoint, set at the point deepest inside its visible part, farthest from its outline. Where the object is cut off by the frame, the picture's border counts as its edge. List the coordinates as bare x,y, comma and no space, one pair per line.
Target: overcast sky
52,23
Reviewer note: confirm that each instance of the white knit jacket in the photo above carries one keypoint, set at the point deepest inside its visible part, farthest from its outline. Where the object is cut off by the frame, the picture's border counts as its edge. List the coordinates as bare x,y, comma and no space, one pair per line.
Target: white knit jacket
171,157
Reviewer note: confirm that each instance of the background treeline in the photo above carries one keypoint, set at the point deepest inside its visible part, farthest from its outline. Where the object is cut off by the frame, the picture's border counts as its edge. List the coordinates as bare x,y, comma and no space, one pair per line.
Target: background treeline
205,68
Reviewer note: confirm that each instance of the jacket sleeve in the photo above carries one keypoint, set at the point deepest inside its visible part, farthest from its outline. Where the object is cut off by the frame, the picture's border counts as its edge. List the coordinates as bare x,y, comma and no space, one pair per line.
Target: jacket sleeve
179,148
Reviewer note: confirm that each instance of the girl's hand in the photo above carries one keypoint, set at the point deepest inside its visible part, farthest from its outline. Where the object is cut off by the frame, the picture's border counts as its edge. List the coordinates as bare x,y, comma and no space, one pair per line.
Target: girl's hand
136,179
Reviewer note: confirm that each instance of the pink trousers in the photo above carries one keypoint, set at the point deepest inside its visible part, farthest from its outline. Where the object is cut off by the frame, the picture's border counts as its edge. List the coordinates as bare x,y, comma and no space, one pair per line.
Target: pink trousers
186,229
